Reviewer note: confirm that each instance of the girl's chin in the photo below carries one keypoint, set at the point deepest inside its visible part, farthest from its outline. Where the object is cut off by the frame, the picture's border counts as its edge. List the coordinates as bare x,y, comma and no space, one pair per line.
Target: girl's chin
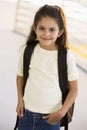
46,43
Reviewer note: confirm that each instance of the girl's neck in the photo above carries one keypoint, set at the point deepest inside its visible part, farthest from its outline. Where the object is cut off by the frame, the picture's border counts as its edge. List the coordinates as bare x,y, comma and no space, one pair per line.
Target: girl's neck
50,48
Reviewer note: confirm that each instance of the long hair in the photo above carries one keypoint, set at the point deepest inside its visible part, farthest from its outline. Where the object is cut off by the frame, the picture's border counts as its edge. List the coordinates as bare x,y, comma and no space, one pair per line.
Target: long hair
57,14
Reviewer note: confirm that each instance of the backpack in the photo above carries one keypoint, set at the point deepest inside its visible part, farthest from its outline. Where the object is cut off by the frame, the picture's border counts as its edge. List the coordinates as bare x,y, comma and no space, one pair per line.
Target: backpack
63,80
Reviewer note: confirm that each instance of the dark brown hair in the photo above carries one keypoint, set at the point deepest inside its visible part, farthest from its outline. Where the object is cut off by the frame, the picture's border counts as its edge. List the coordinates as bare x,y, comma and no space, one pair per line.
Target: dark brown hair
57,14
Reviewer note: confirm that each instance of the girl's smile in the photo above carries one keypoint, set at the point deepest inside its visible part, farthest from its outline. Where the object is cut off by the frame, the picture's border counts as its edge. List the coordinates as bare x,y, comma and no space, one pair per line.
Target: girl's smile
47,33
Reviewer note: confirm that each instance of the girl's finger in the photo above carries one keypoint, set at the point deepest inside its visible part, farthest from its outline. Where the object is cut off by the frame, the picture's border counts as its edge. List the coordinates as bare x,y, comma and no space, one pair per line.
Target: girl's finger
46,117
21,112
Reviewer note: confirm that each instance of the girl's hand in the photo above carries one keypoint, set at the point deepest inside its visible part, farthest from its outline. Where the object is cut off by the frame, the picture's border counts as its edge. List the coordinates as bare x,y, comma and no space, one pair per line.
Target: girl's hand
20,108
54,117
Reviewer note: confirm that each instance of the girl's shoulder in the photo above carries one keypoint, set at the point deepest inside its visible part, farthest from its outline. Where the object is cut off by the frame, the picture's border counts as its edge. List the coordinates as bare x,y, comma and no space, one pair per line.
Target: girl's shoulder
70,55
70,52
22,48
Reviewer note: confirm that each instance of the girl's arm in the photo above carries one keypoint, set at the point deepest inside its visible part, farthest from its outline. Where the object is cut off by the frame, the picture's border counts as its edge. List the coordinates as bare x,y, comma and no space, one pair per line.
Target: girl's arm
73,91
57,116
20,105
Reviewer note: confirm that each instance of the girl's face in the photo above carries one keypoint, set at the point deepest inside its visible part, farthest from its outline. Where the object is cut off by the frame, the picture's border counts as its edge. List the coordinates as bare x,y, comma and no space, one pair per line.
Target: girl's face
47,32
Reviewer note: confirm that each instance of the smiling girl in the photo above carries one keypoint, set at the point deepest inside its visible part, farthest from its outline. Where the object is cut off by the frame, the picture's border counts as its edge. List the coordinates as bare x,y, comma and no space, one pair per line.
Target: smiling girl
41,106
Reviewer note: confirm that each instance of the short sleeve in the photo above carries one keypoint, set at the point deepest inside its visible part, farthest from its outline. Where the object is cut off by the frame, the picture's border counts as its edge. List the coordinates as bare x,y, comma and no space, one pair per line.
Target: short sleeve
20,61
72,67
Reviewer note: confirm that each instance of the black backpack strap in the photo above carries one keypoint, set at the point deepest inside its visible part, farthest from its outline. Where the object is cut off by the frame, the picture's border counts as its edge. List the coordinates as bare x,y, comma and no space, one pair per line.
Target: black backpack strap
62,69
63,78
66,122
26,62
16,124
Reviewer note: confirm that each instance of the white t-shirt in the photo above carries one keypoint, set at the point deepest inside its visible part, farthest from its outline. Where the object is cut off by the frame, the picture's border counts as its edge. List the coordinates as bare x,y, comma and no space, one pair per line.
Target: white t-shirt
42,91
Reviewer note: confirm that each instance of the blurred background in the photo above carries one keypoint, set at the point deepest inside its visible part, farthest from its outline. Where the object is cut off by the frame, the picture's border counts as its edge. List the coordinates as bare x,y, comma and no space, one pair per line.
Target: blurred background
16,18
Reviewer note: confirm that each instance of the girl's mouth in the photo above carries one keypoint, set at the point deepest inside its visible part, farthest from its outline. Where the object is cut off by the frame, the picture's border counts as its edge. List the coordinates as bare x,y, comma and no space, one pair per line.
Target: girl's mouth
46,38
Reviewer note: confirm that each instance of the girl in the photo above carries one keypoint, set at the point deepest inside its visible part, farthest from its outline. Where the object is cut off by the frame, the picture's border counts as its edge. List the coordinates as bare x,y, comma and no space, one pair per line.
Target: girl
41,106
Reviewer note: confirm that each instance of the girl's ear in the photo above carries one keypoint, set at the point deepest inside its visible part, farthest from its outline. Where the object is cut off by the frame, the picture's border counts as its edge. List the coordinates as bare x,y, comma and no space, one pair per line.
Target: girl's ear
60,32
34,28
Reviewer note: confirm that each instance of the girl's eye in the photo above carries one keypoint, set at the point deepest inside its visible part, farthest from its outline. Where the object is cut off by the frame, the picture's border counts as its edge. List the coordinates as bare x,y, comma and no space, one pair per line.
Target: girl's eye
41,28
52,29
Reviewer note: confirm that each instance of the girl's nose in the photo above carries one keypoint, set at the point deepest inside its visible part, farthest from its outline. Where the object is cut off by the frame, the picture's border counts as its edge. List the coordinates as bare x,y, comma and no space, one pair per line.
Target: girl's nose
47,33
